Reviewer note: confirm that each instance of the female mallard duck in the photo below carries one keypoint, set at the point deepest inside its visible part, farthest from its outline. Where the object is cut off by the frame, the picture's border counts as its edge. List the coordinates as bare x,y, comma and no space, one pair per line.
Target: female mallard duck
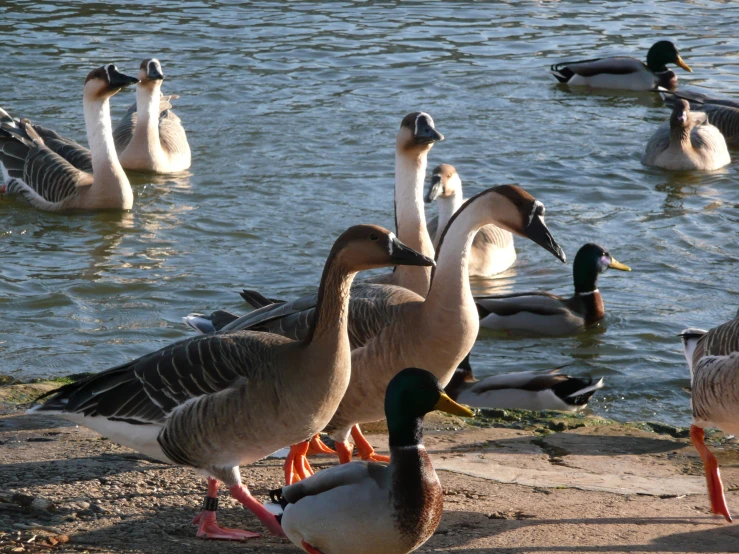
365,508
687,141
150,137
548,314
622,72
492,249
211,402
54,173
713,359
525,390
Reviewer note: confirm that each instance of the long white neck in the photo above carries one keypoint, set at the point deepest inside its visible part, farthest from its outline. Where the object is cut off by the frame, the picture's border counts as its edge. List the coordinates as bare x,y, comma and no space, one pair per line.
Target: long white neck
448,205
410,172
147,107
100,136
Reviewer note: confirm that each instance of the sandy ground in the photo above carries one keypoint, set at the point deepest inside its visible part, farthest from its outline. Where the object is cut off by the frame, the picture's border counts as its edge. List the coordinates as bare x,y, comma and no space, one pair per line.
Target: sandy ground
573,485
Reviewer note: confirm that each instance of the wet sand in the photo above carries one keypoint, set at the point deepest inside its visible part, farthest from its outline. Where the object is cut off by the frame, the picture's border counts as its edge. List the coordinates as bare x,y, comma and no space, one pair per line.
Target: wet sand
512,483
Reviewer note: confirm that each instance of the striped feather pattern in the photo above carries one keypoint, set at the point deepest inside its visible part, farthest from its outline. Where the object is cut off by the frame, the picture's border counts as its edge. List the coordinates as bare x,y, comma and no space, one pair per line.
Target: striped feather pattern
726,119
76,154
719,341
716,391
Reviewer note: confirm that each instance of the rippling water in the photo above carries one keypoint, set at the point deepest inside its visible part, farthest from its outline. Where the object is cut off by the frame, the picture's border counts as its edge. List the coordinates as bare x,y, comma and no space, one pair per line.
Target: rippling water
291,111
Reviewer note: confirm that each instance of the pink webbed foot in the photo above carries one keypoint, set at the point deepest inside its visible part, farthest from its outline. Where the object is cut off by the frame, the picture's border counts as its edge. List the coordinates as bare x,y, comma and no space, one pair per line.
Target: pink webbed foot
209,529
242,494
713,477
309,549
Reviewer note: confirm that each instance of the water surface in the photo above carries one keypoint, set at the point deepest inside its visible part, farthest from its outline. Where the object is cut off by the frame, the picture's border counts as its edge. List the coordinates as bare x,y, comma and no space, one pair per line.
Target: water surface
292,109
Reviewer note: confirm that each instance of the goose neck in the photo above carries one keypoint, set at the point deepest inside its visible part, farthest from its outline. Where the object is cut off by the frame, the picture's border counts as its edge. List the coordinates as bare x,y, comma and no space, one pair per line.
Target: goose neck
330,321
147,108
448,205
100,137
680,135
410,218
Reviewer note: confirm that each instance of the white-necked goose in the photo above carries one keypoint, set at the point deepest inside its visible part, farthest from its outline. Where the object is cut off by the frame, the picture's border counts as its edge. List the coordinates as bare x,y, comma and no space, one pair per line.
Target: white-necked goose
56,174
713,359
395,328
524,390
622,72
687,141
150,137
549,314
365,508
216,402
492,249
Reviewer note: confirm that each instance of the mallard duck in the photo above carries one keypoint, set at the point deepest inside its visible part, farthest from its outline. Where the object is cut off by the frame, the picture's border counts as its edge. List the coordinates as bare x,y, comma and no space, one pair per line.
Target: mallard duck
546,313
713,360
492,249
216,402
392,328
622,72
686,142
366,508
56,174
524,390
150,137
722,113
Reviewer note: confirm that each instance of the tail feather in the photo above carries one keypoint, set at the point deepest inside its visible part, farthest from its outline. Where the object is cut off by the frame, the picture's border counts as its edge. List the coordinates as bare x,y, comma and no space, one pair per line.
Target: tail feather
561,72
257,300
577,391
6,118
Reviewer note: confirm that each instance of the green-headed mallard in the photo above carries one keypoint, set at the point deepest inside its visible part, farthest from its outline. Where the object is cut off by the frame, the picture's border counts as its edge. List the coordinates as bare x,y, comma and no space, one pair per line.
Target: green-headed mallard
546,313
371,507
622,72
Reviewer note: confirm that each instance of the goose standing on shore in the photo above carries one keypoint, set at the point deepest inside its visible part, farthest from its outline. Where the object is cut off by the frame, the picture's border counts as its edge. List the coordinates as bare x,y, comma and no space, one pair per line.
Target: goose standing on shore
57,174
687,141
365,508
150,137
524,390
713,359
216,402
622,72
546,313
492,249
396,328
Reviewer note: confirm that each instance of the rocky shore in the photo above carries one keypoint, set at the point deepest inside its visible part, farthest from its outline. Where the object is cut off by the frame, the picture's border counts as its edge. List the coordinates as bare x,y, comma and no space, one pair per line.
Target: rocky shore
513,482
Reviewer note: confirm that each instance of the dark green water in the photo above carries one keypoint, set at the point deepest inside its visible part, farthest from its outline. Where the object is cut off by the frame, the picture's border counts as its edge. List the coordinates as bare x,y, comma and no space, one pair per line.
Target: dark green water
291,111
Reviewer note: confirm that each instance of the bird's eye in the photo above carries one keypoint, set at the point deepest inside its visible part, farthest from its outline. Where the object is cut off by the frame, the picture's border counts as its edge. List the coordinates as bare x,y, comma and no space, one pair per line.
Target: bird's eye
374,237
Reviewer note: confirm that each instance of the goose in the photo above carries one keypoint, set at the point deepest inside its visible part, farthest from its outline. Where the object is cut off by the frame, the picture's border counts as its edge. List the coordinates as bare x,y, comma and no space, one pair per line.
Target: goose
546,313
713,360
57,174
687,141
622,72
492,249
524,390
150,137
215,402
365,508
391,327
722,113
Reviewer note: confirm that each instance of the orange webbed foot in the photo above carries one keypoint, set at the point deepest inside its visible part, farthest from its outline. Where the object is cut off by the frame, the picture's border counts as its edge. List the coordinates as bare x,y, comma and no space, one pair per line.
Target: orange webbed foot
317,446
364,448
297,467
713,477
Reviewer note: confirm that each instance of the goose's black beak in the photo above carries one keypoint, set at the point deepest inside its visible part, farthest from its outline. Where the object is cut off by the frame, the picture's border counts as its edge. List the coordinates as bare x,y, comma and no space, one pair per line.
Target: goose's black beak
434,189
538,232
400,254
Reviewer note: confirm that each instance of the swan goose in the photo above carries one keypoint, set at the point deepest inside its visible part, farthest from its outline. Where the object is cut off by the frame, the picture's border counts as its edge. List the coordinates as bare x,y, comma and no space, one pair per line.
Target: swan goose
687,141
546,313
215,402
622,72
723,113
524,390
150,137
57,174
492,250
394,328
713,360
365,508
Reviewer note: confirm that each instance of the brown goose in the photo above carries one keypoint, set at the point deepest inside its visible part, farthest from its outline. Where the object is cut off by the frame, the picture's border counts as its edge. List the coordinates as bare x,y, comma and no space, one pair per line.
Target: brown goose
713,359
686,142
150,137
365,508
492,249
216,402
723,113
56,174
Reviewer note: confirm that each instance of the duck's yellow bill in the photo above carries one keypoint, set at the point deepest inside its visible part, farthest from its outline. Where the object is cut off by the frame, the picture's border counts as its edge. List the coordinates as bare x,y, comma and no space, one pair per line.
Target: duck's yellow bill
618,265
682,64
446,404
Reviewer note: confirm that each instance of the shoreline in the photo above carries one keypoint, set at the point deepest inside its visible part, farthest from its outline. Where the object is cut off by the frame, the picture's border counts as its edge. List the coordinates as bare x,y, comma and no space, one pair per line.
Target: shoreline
513,482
